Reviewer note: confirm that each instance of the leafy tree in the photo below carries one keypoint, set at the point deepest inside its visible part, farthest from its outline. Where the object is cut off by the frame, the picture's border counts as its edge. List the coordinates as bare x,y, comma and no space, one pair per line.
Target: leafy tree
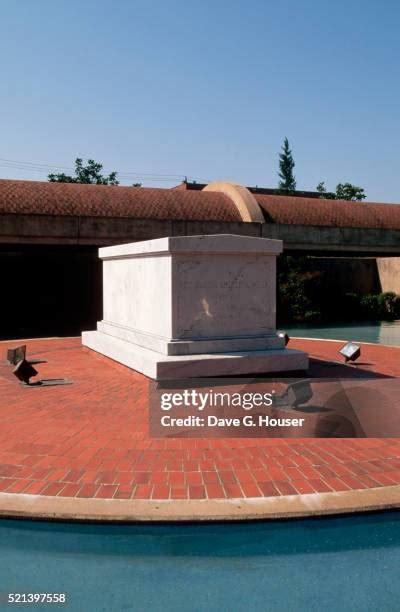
380,306
347,191
296,286
91,174
287,183
136,184
344,191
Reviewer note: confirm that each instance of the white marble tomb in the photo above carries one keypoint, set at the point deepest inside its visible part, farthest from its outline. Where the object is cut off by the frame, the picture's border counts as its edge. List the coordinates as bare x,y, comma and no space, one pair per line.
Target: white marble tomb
193,306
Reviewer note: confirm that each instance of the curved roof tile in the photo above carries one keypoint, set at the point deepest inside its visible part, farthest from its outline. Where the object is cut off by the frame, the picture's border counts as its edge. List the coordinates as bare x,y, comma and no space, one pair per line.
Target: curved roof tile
290,210
37,197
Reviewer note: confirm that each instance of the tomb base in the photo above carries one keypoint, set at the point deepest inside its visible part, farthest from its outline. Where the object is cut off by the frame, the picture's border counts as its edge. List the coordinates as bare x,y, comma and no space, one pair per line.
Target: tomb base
169,367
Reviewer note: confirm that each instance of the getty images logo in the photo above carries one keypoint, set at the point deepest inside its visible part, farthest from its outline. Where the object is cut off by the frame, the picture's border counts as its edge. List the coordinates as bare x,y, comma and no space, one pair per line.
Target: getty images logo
191,398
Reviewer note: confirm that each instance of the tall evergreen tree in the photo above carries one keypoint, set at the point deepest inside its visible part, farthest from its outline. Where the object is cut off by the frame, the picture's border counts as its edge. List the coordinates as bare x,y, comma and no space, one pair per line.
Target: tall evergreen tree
287,183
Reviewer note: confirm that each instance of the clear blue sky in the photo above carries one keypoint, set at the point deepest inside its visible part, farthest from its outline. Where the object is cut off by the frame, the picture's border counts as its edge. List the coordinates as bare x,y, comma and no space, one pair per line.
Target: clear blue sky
206,89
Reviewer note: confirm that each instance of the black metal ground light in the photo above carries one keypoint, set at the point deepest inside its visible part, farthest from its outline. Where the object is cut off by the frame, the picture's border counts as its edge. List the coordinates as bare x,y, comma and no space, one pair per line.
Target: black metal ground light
24,370
350,351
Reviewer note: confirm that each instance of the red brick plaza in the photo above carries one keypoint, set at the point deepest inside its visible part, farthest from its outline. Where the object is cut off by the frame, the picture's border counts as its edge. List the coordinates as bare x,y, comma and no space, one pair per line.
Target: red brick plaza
90,439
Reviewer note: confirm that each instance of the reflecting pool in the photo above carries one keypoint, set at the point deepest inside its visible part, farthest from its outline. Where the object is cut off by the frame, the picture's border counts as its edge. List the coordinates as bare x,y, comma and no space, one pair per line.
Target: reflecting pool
384,332
331,564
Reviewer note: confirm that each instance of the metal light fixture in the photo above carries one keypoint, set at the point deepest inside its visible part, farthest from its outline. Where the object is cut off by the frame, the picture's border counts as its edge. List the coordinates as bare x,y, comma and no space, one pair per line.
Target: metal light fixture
296,394
24,371
283,334
350,351
17,354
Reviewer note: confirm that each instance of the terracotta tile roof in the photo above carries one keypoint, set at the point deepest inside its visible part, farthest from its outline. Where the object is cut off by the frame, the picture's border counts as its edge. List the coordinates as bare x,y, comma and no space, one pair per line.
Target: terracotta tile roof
340,213
34,197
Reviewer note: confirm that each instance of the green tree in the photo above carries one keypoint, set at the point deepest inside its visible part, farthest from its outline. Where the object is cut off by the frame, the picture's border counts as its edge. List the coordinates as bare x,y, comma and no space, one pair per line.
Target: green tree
347,191
287,183
91,174
344,191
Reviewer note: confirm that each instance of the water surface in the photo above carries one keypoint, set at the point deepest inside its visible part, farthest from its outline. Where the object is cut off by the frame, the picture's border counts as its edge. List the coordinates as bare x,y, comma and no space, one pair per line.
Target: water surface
385,332
329,564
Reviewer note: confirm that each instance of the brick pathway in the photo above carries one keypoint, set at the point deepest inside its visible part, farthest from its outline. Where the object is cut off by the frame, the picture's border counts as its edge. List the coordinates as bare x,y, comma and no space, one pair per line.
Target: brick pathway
90,439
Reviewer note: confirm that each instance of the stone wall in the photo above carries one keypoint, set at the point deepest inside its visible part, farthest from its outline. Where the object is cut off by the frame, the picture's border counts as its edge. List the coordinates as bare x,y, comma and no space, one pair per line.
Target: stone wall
104,231
389,273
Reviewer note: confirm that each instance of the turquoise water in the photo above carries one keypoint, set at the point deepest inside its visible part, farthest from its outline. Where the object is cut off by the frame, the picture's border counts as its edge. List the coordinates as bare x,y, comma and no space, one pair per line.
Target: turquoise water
331,564
385,332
